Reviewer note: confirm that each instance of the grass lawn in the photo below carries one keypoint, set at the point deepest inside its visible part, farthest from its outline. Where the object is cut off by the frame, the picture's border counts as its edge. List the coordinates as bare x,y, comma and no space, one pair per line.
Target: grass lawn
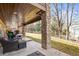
65,46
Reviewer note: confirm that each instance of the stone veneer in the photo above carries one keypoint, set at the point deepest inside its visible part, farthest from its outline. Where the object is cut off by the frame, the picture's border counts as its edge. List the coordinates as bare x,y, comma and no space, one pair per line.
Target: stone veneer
45,17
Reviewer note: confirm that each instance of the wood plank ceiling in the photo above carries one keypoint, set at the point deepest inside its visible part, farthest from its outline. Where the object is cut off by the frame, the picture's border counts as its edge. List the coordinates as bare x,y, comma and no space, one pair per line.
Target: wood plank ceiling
28,11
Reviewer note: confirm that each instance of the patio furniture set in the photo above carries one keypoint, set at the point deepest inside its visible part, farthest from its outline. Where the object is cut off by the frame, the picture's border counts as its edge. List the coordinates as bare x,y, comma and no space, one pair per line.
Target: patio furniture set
12,43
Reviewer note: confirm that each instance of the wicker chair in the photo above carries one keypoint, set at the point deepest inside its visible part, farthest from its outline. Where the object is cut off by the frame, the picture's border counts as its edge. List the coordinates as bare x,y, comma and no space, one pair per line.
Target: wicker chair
9,46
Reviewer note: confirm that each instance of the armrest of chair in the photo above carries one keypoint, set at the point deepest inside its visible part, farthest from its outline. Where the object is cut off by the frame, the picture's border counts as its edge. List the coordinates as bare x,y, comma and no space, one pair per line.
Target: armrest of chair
6,43
11,43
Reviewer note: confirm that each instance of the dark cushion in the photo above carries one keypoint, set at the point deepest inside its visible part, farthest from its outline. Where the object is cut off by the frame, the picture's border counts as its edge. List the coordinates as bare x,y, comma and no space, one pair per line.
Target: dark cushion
10,35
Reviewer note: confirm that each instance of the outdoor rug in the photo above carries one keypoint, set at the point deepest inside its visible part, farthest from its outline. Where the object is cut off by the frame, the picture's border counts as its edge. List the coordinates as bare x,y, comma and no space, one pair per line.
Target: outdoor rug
37,53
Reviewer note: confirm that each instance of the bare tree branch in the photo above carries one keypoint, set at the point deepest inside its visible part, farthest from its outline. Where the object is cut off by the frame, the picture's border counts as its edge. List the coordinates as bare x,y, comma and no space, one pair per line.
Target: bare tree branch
61,12
67,14
71,18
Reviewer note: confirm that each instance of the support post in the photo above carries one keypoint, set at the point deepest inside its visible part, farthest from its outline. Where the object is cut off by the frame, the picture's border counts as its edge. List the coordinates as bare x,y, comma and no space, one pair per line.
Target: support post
23,27
21,20
46,37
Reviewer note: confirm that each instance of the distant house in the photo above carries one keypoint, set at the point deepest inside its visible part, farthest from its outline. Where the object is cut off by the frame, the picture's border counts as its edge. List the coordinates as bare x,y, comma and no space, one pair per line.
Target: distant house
74,32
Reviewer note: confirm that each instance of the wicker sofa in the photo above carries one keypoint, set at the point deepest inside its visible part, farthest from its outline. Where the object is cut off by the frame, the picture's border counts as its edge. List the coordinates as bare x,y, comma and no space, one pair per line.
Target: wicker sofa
9,46
14,45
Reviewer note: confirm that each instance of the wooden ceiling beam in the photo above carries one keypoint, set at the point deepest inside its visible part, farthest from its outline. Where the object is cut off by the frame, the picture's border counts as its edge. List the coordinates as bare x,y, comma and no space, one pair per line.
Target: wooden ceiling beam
31,21
38,6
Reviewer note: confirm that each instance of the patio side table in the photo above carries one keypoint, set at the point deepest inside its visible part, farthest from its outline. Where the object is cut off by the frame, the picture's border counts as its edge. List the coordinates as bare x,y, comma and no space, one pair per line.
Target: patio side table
21,44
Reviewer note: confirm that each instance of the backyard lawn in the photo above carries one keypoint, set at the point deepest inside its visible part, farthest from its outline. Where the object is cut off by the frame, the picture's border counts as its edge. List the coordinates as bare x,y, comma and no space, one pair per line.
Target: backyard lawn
65,46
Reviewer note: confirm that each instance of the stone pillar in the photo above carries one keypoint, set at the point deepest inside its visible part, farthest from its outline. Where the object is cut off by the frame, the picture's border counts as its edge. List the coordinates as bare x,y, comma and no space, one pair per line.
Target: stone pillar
21,20
46,37
23,27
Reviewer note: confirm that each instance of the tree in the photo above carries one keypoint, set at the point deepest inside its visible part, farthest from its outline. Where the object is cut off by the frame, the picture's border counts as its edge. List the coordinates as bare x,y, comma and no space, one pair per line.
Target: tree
58,15
54,27
38,27
69,19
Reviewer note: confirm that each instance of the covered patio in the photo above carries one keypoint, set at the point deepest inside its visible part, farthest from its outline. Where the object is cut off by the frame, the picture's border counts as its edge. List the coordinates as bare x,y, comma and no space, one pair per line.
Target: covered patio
16,16
32,47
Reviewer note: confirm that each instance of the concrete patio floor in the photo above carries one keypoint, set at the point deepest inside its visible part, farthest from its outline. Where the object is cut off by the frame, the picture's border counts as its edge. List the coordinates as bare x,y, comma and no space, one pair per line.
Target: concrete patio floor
33,46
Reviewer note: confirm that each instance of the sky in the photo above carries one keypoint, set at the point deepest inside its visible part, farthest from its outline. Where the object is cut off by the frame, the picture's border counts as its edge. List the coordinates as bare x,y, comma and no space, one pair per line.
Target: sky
76,6
64,7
